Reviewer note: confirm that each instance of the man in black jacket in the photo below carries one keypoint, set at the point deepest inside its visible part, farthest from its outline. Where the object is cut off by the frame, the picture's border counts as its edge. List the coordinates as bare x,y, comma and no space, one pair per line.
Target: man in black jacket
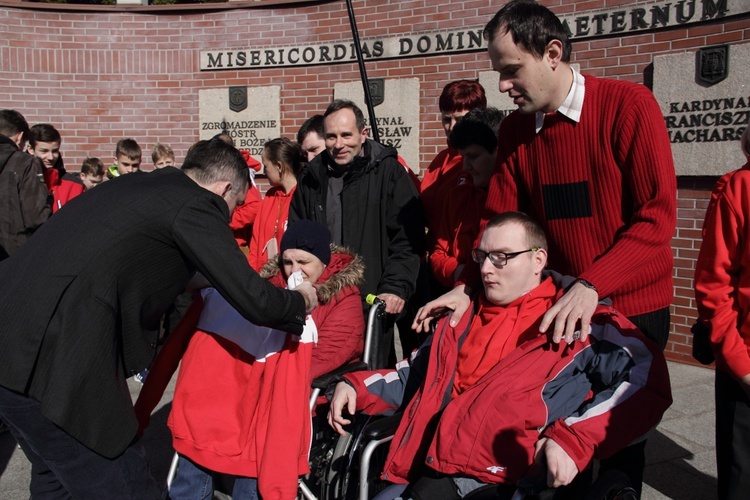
359,190
79,306
24,196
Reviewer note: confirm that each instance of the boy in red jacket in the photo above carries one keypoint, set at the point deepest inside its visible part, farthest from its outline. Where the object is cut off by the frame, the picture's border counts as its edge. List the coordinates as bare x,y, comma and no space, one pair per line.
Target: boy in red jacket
71,185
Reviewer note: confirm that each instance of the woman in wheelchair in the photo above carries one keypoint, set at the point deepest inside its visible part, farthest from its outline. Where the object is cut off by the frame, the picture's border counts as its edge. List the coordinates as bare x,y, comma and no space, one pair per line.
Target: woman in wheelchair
241,403
486,399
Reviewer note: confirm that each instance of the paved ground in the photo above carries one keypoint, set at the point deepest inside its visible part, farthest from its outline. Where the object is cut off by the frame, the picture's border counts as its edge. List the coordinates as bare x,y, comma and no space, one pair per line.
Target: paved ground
680,455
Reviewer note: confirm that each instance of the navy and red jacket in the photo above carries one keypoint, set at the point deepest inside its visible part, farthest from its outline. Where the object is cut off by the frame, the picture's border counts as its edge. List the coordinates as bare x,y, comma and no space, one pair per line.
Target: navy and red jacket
575,394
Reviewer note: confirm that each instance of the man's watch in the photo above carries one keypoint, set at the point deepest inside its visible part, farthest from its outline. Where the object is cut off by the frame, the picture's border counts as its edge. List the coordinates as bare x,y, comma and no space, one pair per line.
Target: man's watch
587,284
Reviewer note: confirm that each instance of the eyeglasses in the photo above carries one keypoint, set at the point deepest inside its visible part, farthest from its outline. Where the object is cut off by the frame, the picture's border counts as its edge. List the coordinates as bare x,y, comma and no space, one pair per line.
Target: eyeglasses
498,259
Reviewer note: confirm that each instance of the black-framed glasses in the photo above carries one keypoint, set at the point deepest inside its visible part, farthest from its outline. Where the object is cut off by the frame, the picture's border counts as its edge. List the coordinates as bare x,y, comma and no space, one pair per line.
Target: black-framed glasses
497,259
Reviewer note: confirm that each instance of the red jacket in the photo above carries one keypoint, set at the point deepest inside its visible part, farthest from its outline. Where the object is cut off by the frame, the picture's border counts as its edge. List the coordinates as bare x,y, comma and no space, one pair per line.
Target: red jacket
438,183
488,431
54,174
454,234
67,188
414,179
237,415
244,216
270,224
722,283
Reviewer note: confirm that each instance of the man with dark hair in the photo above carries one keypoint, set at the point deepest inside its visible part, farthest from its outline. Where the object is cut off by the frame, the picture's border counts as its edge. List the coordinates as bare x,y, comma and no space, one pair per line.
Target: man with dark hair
310,136
22,183
491,401
70,339
359,190
589,159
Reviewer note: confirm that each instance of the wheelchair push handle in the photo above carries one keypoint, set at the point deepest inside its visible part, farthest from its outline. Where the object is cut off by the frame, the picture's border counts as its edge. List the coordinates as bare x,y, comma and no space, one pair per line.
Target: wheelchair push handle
372,299
377,311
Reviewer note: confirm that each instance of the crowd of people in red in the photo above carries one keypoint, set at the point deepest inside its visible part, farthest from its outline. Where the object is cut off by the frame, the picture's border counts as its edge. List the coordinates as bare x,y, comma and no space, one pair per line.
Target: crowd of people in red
579,181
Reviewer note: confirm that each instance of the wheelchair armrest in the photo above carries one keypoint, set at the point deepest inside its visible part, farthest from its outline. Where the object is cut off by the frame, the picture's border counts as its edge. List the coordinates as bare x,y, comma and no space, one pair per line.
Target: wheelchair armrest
382,428
324,381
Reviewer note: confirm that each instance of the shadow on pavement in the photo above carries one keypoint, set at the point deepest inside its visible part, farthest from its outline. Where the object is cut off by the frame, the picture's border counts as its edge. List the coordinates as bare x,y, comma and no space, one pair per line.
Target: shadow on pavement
671,470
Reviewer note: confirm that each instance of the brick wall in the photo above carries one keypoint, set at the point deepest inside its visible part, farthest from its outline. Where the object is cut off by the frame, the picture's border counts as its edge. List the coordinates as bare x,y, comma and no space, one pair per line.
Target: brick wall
101,76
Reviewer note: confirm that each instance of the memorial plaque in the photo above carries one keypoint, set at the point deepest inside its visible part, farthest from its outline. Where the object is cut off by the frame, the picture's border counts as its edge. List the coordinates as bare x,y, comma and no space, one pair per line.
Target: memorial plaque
250,115
705,121
397,115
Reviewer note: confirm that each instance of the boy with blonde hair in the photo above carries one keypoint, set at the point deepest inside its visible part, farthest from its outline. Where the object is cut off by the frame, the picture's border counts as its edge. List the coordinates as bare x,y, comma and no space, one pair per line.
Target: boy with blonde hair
162,156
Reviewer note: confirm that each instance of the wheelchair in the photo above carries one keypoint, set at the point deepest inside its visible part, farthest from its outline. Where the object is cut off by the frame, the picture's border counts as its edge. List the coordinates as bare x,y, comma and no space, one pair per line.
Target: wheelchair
332,457
358,458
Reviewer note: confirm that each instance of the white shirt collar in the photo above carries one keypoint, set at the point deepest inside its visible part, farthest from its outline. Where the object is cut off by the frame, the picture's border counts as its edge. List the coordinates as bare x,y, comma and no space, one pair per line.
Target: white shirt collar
572,105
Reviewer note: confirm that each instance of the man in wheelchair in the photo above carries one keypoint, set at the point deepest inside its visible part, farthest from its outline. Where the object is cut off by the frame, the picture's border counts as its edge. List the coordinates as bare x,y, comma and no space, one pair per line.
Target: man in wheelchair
492,401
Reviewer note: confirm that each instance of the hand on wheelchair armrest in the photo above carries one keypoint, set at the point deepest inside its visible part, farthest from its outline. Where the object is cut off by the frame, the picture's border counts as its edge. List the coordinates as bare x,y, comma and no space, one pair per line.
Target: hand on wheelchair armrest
344,398
325,380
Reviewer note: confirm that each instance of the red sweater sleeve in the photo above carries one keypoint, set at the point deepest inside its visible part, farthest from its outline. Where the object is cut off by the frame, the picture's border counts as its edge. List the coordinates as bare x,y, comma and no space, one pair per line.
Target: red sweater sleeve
721,285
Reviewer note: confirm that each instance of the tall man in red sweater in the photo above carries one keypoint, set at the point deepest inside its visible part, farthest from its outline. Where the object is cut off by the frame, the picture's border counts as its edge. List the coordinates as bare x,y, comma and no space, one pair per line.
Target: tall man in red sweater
590,160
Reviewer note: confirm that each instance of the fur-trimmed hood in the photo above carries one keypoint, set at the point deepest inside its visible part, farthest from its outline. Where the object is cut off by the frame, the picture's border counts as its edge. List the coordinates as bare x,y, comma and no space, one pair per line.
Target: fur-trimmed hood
345,269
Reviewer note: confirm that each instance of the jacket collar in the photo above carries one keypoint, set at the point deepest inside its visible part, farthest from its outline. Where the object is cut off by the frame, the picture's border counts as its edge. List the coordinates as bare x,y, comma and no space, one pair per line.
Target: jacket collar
374,154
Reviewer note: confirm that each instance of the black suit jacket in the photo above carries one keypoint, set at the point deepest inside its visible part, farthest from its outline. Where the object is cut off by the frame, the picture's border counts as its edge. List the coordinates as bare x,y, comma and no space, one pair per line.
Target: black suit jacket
79,302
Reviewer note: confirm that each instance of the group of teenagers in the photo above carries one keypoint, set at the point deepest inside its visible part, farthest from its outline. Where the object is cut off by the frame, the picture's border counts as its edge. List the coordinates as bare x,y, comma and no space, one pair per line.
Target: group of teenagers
549,231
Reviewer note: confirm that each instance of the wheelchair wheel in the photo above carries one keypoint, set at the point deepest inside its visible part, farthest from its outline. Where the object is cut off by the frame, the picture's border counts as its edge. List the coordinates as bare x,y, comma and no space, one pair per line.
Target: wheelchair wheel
321,453
342,479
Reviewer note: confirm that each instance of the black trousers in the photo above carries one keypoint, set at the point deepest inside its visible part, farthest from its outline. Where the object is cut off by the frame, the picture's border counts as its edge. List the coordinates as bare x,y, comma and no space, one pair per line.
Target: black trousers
732,438
63,468
632,460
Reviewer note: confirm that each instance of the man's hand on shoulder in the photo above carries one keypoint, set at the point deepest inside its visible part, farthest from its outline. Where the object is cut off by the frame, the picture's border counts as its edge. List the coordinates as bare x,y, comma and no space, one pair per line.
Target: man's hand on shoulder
309,294
577,304
561,469
457,300
393,303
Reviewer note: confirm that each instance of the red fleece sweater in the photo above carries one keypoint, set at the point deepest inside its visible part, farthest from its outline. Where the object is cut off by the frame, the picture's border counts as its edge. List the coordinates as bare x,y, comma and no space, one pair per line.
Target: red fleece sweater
722,283
270,224
65,191
603,189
